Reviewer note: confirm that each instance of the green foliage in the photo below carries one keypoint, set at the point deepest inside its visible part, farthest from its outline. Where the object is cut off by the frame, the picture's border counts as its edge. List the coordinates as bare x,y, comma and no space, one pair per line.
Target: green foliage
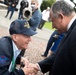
71,0
74,4
46,3
48,25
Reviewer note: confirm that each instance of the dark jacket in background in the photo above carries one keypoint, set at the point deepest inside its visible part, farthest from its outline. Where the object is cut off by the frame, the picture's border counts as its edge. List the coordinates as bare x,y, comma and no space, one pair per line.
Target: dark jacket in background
15,2
22,6
35,19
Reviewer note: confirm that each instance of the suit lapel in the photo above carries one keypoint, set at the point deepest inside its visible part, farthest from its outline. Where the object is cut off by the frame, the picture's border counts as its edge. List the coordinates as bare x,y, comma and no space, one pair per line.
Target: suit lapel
68,32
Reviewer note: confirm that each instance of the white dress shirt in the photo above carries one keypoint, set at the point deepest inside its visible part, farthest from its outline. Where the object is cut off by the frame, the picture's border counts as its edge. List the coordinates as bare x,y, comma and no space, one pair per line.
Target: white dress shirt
16,52
70,23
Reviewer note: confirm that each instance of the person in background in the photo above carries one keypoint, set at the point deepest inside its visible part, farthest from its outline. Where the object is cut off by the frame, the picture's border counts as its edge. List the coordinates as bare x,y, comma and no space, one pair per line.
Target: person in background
36,15
23,5
11,48
58,37
45,17
11,8
53,43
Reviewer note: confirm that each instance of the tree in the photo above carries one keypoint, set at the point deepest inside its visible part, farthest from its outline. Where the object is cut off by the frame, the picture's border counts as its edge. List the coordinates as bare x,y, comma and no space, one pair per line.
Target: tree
74,4
46,3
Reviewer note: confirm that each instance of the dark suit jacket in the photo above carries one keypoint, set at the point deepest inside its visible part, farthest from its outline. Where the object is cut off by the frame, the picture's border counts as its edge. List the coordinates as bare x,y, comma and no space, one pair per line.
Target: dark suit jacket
6,55
64,61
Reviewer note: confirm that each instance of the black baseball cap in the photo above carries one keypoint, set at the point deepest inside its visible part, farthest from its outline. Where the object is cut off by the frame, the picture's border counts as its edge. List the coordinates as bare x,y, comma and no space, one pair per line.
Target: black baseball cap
21,27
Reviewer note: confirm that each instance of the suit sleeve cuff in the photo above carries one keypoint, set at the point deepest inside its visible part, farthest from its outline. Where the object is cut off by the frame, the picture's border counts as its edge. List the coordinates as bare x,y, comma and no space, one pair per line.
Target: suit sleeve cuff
38,66
21,72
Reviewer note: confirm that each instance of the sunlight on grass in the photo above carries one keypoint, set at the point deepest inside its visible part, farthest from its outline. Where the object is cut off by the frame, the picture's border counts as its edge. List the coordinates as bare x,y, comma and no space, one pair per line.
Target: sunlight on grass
48,25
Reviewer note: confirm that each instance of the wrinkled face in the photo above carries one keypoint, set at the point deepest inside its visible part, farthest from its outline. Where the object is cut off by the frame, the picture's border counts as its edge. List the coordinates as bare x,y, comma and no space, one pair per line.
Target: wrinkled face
58,22
21,41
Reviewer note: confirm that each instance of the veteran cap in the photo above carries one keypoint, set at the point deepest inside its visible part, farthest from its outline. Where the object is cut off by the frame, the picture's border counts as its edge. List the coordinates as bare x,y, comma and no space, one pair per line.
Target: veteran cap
21,27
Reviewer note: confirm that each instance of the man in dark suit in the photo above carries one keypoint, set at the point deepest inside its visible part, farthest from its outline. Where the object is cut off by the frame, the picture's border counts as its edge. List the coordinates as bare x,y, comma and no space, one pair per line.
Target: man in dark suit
12,47
63,18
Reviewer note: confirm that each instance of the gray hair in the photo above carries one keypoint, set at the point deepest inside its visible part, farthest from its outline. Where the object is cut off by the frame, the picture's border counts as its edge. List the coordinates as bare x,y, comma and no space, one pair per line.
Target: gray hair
62,7
35,1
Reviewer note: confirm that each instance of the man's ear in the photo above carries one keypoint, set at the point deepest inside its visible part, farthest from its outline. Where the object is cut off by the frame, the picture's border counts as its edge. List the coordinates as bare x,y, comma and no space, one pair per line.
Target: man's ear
14,37
61,15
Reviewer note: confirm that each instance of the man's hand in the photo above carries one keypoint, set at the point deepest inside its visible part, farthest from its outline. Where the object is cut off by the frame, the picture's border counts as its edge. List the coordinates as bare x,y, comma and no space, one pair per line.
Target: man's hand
24,61
13,5
28,70
35,66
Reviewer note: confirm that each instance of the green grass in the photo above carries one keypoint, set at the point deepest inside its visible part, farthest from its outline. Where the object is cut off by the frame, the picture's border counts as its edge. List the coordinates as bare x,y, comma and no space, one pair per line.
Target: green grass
48,25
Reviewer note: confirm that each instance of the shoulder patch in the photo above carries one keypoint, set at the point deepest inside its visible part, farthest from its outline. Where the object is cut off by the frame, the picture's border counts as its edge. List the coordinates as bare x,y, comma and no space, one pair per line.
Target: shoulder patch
3,59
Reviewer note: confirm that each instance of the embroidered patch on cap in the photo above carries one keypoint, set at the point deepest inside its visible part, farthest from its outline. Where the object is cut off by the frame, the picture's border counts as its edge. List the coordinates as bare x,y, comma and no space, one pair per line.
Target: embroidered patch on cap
3,59
27,25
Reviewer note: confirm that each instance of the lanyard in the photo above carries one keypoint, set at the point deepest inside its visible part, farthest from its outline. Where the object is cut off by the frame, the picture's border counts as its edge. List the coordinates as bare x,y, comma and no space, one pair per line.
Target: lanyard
12,65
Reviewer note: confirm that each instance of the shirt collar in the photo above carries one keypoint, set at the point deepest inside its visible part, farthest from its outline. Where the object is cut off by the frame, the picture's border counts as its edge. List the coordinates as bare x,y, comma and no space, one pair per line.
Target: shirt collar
70,23
15,50
14,46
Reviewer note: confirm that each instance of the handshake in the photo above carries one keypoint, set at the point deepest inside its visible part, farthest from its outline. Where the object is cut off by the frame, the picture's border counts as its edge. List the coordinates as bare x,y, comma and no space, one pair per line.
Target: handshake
29,68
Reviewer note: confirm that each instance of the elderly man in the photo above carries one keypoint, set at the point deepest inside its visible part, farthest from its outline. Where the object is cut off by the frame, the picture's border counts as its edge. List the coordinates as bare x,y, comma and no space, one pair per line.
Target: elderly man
12,46
63,18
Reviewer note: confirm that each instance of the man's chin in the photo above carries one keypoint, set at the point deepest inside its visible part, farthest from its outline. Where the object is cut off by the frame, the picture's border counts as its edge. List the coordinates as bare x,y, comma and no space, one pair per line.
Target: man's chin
59,31
26,47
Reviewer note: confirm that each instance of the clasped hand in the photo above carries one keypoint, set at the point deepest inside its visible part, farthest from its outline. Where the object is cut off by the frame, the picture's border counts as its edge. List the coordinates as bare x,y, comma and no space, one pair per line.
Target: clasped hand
29,68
